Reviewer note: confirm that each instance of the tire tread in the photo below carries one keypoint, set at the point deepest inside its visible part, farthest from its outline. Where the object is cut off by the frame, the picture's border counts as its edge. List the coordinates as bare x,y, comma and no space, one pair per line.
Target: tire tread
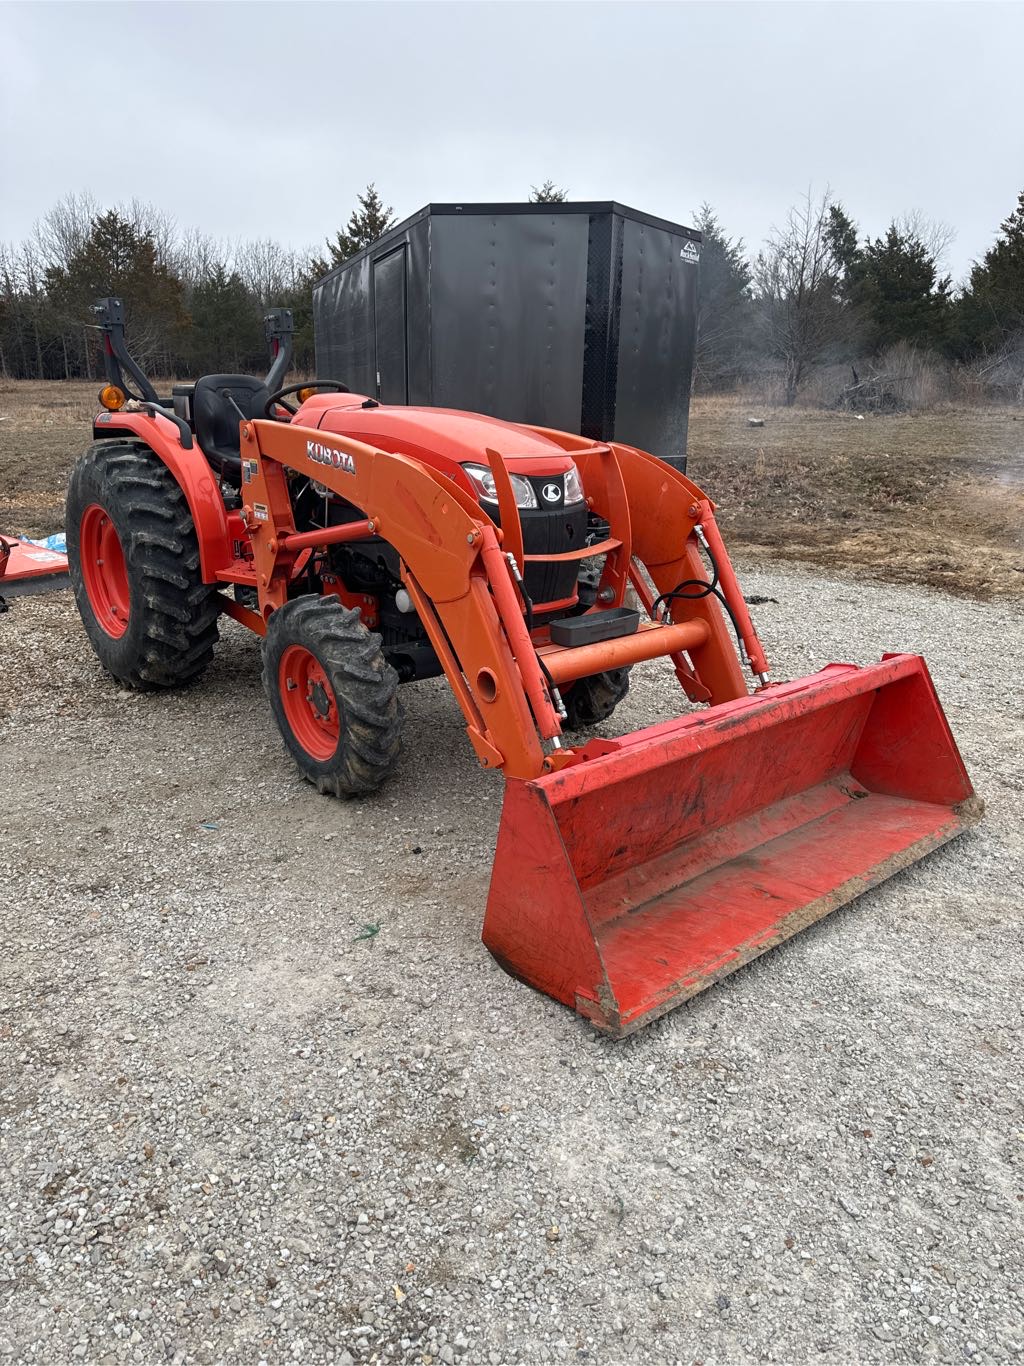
365,687
171,640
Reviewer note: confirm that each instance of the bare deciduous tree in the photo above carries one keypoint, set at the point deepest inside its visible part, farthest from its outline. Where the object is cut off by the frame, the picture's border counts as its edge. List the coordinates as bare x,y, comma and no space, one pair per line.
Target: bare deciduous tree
196,257
62,232
800,317
937,237
158,225
268,269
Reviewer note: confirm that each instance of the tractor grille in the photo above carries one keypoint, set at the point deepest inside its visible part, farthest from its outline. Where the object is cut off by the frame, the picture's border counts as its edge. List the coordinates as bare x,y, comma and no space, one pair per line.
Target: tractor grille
553,533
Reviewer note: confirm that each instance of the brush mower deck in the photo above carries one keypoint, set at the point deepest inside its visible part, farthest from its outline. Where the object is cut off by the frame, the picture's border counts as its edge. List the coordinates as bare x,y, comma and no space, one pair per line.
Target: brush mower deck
372,545
28,568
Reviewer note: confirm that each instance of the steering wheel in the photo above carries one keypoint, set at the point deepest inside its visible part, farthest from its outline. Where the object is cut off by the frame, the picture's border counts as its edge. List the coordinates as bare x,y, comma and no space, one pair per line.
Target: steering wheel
278,394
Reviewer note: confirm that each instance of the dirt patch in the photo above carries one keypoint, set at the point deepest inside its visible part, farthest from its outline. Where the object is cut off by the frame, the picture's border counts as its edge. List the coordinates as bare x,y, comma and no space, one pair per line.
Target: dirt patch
934,498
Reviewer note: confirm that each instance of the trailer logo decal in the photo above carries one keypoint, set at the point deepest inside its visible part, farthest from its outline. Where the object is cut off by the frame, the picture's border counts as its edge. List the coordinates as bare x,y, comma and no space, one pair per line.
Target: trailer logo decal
691,252
323,455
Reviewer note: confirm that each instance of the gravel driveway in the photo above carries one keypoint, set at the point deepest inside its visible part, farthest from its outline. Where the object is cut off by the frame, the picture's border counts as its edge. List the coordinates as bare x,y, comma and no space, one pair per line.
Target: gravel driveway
265,1097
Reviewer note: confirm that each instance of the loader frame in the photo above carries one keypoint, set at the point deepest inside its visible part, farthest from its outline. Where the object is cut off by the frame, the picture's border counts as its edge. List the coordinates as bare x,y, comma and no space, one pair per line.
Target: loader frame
464,575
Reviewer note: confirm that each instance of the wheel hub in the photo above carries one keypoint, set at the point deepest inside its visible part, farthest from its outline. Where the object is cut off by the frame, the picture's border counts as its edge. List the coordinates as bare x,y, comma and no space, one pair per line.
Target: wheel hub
104,575
319,700
309,703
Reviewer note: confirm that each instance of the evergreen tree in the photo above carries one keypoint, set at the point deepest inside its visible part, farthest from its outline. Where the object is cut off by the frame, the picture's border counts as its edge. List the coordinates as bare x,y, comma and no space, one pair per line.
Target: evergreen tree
366,224
723,305
899,292
300,300
118,258
991,312
548,193
227,333
841,232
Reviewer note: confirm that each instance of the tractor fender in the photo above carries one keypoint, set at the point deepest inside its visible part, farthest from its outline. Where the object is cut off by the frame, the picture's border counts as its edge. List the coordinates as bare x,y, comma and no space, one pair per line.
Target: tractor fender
193,474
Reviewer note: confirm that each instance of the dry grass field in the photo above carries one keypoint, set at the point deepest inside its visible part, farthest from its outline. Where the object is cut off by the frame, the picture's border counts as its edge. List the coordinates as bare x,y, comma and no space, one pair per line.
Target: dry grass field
934,498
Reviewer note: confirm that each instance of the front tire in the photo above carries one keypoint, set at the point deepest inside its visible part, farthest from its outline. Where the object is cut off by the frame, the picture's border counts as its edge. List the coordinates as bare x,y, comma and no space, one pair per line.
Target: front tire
592,700
333,695
133,558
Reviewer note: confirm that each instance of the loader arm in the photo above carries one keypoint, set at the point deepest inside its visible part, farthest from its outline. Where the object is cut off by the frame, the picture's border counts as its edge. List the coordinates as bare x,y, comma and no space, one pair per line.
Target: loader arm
457,566
452,566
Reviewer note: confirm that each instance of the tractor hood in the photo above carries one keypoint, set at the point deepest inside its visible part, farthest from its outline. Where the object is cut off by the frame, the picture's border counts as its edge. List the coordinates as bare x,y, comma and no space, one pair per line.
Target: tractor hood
442,437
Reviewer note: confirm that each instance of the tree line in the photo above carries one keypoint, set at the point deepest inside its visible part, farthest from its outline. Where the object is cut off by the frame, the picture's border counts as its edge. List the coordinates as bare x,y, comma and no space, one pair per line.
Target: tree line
818,294
193,304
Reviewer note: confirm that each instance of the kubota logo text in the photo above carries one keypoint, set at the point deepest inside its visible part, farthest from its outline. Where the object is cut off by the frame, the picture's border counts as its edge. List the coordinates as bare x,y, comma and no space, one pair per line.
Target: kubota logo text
324,455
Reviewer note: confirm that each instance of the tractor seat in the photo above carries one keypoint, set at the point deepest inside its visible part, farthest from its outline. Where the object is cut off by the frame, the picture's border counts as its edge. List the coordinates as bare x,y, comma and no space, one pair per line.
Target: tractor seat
216,403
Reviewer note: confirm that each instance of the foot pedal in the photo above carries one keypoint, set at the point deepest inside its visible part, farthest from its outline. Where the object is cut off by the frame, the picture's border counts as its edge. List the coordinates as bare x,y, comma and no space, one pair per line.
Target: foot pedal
594,626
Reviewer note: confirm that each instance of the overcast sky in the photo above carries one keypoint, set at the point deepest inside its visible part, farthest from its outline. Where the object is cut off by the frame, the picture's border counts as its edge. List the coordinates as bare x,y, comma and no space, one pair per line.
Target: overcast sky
267,119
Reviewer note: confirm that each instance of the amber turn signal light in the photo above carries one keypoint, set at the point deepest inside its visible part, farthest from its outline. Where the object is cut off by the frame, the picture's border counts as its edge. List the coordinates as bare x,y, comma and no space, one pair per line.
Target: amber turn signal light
112,397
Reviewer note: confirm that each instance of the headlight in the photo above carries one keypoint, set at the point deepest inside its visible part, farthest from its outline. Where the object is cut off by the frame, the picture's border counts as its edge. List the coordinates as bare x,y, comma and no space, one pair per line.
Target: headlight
573,487
483,481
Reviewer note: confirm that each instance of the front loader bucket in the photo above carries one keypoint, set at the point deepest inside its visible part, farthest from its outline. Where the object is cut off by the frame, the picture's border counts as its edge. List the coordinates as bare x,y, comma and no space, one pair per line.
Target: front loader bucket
625,884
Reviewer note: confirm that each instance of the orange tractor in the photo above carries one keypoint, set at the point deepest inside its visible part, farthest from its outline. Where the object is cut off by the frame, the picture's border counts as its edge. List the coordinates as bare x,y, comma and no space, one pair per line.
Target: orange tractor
372,545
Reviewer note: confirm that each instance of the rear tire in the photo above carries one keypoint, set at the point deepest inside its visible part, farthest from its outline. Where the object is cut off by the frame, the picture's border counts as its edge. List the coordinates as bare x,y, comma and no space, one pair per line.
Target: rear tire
333,695
133,558
592,700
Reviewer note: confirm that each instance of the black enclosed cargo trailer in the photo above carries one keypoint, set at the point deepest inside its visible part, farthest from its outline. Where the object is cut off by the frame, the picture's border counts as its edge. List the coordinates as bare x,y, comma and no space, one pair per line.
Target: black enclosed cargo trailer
576,316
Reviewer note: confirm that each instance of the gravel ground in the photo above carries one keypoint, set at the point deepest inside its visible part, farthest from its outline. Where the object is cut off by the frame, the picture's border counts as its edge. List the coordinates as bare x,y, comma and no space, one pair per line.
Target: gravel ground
266,1097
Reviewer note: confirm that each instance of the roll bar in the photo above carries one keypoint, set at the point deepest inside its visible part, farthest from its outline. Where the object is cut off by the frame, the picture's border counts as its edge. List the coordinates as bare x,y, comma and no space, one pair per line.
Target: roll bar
278,327
116,358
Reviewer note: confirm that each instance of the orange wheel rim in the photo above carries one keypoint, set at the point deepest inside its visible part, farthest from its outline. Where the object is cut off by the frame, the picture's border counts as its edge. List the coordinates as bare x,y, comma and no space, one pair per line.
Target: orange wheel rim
309,704
103,571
